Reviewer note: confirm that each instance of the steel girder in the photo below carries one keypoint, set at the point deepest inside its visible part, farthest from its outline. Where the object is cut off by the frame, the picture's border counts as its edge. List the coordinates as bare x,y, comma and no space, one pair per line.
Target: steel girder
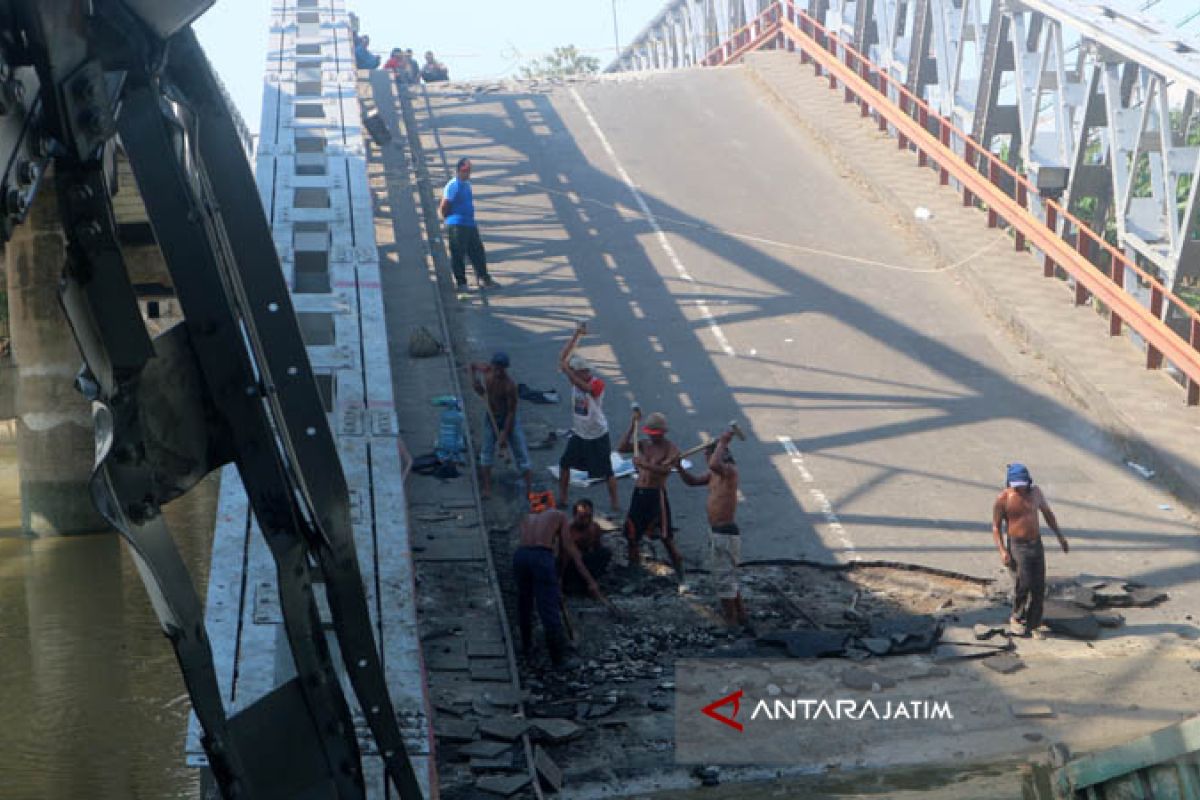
231,383
1096,104
684,32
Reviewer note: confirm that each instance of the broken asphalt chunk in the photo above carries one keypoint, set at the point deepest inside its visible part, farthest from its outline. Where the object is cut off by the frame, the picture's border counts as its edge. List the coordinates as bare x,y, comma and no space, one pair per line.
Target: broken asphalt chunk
956,651
807,644
554,730
1004,663
503,785
1146,596
506,729
501,763
482,749
984,631
455,730
550,773
505,696
915,634
1068,620
1031,710
876,646
600,710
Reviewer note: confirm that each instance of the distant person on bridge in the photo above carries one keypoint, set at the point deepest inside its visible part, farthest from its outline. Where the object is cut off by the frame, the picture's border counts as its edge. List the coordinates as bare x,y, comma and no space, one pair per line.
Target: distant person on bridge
1017,510
588,447
458,209
649,508
434,71
414,69
543,536
363,57
502,428
724,538
402,66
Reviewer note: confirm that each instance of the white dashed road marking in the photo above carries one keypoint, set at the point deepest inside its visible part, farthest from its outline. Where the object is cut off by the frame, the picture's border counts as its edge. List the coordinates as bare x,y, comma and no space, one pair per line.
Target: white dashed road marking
819,497
663,241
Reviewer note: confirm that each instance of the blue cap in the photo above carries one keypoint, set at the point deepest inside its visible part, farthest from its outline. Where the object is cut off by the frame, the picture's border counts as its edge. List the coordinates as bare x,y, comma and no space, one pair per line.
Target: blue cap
500,358
1018,475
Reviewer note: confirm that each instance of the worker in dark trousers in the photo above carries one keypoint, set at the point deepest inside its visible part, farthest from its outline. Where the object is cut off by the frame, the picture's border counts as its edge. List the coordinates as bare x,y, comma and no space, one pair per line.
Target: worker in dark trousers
1017,510
458,209
543,535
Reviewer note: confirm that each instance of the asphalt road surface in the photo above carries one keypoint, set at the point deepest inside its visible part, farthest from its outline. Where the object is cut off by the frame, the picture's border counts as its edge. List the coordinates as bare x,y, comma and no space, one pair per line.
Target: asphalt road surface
763,286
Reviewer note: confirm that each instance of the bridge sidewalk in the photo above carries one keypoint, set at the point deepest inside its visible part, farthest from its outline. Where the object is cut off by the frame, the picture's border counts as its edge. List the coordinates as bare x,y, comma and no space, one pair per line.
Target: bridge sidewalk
1143,411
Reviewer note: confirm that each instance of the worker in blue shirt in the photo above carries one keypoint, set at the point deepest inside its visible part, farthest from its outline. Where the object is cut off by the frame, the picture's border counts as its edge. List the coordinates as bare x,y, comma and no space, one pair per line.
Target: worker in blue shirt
458,209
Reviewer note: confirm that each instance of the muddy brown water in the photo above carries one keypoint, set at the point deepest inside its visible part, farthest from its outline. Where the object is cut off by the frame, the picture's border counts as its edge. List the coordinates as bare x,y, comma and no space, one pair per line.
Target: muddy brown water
91,702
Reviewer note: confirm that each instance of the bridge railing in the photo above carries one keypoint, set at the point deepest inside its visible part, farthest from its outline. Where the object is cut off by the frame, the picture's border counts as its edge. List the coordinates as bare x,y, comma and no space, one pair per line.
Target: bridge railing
1097,268
1132,297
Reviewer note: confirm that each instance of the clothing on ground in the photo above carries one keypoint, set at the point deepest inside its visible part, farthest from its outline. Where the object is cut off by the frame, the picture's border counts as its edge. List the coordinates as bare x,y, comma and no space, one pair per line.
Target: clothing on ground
465,245
537,585
543,397
1029,561
645,513
725,555
516,445
590,455
462,202
587,411
596,560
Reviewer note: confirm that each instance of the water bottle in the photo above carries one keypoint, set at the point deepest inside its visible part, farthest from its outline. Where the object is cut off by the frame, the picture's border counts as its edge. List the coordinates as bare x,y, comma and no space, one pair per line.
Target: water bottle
450,442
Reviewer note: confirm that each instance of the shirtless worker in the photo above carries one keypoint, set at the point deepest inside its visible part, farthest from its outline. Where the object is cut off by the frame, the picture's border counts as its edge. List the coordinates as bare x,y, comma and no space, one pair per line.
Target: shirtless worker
502,429
543,535
1017,509
589,541
649,509
724,538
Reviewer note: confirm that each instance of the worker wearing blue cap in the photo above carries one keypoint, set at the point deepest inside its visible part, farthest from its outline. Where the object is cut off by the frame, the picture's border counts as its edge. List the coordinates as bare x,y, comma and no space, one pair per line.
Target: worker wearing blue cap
1016,509
503,429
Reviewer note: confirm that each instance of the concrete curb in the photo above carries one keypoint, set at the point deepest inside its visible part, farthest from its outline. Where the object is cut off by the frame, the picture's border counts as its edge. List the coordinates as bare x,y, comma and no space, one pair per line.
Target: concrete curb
1180,478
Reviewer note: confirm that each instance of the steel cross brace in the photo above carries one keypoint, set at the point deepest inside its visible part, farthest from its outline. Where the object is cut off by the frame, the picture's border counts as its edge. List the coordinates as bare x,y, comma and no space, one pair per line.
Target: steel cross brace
232,382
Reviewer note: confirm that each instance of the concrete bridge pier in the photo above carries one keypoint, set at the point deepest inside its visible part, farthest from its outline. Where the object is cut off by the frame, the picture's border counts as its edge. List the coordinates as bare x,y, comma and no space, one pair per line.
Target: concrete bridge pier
55,446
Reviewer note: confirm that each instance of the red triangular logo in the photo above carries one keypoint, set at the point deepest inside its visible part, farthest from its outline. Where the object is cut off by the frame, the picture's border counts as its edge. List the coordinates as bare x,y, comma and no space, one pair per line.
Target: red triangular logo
710,710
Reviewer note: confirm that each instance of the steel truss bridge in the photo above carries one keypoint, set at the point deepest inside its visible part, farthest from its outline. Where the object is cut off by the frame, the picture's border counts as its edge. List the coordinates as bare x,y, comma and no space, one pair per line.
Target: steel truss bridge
1074,124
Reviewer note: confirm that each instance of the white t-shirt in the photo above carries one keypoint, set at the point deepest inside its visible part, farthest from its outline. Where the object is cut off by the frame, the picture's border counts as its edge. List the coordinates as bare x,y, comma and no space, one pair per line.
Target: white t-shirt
589,419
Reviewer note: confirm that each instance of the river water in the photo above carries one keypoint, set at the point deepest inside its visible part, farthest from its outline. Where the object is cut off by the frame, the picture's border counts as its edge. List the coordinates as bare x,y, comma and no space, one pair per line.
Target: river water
91,702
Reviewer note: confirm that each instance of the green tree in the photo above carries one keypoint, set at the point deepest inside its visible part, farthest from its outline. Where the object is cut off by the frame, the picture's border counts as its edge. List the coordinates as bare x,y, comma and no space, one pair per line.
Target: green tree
564,61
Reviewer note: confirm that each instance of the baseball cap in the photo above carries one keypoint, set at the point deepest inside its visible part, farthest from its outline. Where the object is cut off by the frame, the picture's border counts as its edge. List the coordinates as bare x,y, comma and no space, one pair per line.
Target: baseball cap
1018,475
578,362
656,423
500,358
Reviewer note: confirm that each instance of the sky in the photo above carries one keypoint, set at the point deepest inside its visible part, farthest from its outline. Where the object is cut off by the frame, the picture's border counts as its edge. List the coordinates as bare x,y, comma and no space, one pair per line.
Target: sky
479,39
476,39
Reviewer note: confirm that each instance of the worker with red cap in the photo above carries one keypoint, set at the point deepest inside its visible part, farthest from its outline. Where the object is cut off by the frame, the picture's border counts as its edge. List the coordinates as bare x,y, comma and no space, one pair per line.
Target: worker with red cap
655,458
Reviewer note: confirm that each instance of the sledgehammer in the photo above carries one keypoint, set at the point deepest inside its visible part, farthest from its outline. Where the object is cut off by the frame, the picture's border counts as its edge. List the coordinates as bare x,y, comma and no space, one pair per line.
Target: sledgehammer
733,427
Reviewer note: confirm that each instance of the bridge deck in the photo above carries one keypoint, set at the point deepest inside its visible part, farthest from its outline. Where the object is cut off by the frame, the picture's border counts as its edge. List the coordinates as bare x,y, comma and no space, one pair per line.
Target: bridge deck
883,404
312,175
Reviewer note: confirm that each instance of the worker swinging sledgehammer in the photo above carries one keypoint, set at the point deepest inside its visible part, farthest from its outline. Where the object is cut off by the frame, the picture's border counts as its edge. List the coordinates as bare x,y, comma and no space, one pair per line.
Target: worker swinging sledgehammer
724,539
649,509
